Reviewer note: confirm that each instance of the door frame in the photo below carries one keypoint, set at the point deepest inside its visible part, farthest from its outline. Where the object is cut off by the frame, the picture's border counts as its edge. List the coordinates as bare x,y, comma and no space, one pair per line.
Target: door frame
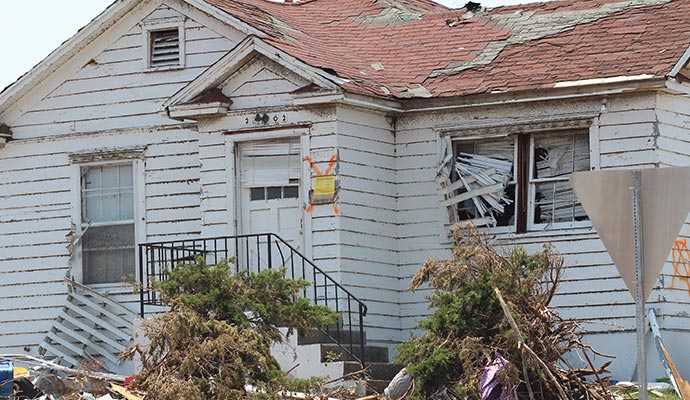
232,144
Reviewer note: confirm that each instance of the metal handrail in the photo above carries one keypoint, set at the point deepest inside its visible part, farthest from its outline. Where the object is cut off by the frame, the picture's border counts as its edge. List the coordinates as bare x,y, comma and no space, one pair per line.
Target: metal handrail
158,257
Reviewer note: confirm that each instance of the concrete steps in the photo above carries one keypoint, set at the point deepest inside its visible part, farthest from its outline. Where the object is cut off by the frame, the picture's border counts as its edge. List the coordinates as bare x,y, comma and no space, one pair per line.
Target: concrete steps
317,355
379,374
372,354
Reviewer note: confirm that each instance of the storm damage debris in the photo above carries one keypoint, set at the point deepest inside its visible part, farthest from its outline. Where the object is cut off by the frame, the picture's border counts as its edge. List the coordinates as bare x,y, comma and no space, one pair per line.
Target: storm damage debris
525,27
485,180
45,380
488,302
479,190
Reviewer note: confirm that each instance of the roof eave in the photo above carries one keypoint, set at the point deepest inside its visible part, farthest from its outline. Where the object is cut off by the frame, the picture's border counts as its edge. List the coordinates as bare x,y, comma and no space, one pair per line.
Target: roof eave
198,111
595,88
67,50
252,45
114,13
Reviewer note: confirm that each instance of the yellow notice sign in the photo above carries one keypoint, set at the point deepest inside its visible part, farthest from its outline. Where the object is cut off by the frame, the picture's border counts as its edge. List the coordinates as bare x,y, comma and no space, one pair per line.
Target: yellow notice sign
324,185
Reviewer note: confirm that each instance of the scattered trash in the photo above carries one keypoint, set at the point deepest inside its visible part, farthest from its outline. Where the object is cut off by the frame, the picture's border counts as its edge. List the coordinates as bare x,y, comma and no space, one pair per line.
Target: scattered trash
6,379
400,385
46,380
491,386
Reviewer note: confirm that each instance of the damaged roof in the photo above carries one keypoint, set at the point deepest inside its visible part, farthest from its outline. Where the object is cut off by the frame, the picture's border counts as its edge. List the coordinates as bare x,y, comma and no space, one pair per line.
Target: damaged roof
417,48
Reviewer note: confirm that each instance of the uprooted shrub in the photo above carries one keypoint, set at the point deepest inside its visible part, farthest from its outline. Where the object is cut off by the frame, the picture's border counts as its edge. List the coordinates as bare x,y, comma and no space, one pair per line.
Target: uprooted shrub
468,328
217,335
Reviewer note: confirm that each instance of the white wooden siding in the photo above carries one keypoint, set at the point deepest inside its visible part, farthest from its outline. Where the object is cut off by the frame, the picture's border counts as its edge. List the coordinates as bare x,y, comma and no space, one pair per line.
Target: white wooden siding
592,289
110,102
36,218
262,83
114,90
673,113
368,227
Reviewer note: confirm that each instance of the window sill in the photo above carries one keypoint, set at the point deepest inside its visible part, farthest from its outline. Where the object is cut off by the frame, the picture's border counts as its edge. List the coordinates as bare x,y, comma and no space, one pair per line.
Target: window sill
543,231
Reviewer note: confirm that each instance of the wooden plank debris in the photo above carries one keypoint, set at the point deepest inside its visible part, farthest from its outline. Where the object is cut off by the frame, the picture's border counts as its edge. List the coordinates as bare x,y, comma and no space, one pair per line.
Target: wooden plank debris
683,385
484,180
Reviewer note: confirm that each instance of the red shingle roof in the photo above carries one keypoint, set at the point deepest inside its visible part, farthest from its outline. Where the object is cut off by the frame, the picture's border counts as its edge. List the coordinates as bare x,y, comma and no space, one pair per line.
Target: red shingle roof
417,48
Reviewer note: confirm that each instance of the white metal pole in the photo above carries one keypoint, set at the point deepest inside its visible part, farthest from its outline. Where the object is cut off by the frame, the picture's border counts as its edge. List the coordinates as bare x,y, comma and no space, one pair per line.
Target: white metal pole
639,283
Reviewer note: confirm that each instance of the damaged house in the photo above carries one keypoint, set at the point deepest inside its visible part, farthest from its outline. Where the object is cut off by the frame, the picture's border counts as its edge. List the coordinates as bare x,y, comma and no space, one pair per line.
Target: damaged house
340,139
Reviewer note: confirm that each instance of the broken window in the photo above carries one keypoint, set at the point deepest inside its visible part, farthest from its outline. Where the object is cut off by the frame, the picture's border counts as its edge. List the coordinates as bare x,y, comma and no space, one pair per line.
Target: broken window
554,158
519,181
107,219
484,174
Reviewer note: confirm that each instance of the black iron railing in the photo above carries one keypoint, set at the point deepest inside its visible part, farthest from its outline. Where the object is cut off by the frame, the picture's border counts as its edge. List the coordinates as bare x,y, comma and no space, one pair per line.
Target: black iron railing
255,253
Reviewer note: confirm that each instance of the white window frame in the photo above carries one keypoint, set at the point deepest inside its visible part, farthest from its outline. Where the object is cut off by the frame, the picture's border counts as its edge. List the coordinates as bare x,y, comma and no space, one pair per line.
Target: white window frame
77,270
513,179
148,27
531,183
532,191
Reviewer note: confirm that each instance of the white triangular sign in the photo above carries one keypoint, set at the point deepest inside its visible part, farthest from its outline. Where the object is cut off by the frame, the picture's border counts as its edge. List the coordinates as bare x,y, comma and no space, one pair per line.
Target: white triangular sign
607,199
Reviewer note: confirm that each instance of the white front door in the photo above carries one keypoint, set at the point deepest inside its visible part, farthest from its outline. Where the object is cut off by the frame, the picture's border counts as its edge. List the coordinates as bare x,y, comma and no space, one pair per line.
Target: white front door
270,174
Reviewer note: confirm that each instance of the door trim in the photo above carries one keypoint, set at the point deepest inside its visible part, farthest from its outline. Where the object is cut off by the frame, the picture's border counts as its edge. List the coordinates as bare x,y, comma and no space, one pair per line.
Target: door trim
232,143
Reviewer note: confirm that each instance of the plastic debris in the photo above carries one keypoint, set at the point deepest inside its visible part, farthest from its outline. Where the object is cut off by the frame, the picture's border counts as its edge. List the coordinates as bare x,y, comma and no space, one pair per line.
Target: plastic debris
399,386
491,387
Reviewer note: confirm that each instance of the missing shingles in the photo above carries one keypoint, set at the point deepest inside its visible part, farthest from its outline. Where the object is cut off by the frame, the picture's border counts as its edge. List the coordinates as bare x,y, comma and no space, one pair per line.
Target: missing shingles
524,27
395,13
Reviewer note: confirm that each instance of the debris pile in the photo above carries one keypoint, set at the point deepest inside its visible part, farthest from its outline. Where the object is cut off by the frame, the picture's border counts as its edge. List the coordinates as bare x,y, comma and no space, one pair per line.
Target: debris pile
492,309
45,380
485,181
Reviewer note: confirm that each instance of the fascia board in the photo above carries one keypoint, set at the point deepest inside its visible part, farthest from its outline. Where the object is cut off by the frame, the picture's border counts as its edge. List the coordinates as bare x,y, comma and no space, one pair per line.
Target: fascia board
683,61
231,62
214,75
225,17
197,110
67,50
677,86
316,75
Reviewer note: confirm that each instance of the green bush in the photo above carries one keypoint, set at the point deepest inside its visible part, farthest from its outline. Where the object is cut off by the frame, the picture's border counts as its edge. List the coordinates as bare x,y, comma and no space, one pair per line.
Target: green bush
217,335
468,327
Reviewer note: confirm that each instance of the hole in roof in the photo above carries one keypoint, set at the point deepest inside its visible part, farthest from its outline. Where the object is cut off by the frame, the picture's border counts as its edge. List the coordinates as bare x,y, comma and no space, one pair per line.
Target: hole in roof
330,71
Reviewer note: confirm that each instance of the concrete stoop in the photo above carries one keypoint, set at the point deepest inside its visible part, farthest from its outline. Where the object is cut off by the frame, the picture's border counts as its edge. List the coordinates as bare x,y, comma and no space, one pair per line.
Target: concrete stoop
315,354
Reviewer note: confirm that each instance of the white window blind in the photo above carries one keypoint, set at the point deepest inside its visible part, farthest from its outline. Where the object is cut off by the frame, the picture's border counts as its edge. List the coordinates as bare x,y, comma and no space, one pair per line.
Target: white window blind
271,163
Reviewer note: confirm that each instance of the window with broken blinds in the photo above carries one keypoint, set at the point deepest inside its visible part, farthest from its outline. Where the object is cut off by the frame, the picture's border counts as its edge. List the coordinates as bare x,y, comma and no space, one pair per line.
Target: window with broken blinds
484,174
485,180
554,158
107,199
165,48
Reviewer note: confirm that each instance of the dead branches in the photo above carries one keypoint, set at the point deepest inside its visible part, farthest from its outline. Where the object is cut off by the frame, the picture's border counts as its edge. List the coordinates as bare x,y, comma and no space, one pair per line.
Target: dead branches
490,305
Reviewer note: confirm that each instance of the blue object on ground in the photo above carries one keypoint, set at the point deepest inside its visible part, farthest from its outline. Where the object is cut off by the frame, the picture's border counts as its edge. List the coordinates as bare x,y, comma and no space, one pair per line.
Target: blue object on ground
6,379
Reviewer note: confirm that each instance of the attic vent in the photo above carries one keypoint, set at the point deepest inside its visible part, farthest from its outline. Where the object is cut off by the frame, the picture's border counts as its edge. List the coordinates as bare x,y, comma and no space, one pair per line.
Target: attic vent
165,48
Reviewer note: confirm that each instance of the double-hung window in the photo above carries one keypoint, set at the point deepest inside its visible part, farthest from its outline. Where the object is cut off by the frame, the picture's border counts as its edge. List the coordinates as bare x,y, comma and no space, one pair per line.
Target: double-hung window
553,159
518,181
107,222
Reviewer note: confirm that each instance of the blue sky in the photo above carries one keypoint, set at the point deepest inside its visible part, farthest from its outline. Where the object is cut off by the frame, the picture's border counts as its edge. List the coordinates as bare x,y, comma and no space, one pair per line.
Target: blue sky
30,30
